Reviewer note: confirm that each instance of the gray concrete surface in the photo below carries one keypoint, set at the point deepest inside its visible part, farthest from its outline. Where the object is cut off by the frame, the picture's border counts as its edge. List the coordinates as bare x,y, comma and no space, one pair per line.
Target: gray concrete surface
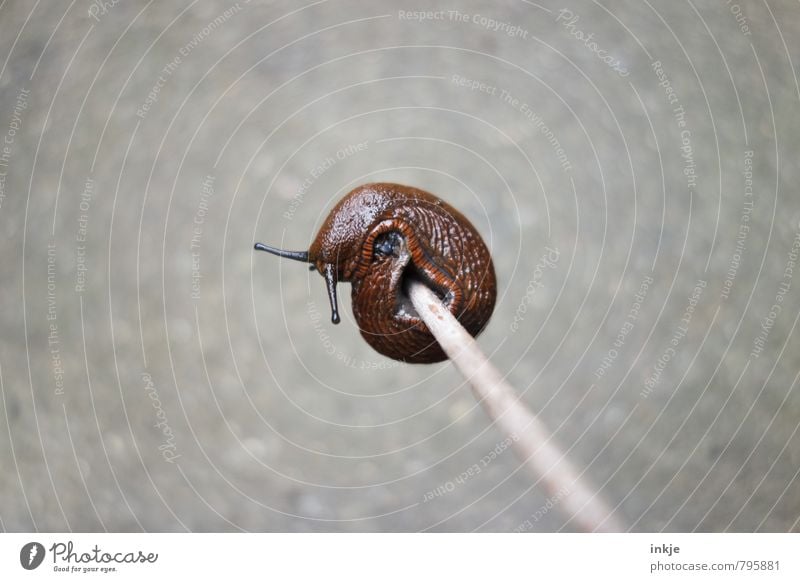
156,375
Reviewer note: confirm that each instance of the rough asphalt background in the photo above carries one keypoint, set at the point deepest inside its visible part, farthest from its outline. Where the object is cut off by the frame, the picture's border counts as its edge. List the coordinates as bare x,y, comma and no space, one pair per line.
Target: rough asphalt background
155,374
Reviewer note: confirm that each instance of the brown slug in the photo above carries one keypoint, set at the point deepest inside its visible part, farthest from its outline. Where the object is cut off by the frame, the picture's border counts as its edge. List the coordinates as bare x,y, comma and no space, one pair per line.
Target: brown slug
379,237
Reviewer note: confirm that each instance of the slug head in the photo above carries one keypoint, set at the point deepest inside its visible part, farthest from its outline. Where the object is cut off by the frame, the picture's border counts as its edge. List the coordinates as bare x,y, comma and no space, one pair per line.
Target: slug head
336,250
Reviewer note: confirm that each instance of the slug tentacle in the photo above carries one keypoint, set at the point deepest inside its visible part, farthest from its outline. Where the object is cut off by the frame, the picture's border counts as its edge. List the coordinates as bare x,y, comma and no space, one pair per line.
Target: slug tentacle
330,279
294,255
381,236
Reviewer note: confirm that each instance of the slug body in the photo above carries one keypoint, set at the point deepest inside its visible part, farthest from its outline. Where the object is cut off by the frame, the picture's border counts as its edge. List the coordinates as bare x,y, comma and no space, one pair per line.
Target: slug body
379,237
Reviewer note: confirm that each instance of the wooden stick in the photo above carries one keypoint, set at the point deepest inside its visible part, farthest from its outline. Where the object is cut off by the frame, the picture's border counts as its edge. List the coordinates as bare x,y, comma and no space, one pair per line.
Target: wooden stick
533,442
